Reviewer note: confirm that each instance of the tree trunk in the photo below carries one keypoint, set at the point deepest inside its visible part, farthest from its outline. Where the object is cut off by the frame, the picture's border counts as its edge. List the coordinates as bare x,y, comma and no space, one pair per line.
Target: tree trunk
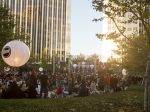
146,92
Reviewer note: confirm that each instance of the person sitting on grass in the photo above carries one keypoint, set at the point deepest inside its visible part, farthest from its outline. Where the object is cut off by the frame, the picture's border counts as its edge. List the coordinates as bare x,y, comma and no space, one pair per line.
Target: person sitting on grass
76,89
93,88
18,81
1,89
59,92
52,95
119,88
24,88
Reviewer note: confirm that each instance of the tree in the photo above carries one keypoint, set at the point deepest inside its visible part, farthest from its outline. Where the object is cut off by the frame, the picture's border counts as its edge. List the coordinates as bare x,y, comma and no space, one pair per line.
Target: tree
33,58
95,61
45,60
92,58
7,31
116,9
81,57
133,58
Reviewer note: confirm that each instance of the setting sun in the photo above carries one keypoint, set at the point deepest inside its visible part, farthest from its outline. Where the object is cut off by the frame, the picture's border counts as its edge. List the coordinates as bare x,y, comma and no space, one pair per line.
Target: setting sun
107,46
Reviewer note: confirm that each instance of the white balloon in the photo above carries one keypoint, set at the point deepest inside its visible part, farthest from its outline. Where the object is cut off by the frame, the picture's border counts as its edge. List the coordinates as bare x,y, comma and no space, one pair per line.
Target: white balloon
83,63
74,66
124,72
15,53
91,66
40,69
6,69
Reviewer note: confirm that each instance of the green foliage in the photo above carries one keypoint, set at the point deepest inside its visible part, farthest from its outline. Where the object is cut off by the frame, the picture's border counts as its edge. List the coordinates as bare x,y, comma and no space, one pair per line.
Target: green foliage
20,34
81,57
45,60
127,101
116,10
7,31
133,57
132,49
6,28
33,58
56,60
92,58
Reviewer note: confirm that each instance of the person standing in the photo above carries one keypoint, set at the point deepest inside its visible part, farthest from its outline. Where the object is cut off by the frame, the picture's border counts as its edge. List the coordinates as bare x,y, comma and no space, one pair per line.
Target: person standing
79,79
25,76
112,85
101,84
44,84
72,79
115,83
83,89
107,83
32,84
70,87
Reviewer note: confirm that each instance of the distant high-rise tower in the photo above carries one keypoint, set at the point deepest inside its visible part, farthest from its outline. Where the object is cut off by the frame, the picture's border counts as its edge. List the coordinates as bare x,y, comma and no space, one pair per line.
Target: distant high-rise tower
47,23
109,26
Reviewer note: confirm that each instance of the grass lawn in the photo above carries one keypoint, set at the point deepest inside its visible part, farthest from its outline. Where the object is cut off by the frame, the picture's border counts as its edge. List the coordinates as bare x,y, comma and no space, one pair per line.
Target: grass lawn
127,101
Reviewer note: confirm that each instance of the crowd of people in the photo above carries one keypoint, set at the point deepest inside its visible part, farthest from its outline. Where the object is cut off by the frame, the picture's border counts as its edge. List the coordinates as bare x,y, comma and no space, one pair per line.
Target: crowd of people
43,84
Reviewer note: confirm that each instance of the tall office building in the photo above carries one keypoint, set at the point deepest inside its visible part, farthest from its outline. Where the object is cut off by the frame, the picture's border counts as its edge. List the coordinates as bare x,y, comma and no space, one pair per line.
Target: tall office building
47,23
109,26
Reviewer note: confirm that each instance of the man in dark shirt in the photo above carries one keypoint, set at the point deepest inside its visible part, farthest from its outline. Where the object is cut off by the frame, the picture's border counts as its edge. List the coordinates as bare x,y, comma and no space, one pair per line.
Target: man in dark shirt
44,83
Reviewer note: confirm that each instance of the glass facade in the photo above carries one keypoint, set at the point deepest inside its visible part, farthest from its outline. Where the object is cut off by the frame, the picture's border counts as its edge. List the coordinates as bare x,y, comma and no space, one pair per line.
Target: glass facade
47,23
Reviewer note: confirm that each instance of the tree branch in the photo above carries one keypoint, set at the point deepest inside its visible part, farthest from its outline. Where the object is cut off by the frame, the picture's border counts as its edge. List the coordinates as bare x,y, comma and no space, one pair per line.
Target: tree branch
144,51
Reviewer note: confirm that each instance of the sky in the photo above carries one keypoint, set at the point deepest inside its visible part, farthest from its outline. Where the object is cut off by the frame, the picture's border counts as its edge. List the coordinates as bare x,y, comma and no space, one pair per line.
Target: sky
83,29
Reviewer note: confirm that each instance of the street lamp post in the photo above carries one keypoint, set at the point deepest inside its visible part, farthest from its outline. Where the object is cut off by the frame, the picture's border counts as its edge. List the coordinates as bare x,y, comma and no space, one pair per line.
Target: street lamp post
95,65
53,64
69,64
